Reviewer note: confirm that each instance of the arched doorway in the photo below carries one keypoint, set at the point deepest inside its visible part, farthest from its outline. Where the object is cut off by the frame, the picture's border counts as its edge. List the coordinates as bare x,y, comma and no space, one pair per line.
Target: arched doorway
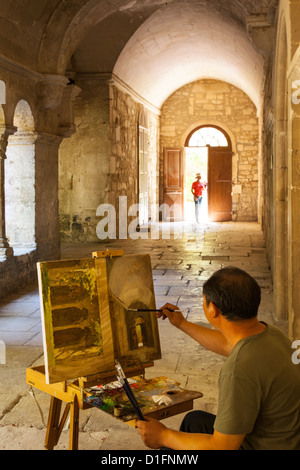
209,152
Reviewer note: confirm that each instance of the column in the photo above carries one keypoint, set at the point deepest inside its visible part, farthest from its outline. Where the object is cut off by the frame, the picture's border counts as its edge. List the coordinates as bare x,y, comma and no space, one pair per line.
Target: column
293,261
5,249
46,197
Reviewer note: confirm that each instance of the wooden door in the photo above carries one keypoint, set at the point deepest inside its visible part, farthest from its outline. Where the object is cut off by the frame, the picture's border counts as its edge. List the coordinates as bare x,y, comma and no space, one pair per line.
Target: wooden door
174,182
219,184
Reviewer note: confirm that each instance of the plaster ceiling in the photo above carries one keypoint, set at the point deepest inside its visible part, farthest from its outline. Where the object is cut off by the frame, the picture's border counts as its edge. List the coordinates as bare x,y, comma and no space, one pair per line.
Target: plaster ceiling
154,46
156,51
182,43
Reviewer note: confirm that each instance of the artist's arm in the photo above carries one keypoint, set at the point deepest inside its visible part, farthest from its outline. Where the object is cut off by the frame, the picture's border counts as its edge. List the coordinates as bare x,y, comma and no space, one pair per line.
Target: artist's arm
209,338
155,435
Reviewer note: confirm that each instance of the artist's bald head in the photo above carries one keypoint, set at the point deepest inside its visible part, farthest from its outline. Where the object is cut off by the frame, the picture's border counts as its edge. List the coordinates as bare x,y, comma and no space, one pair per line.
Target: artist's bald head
234,292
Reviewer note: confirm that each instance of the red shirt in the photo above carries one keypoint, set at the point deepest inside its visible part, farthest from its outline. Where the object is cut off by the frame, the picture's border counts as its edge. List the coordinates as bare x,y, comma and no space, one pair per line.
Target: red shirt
198,188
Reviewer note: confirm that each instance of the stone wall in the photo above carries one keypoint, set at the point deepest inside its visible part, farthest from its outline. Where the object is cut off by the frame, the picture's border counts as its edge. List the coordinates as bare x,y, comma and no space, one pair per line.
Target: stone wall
99,163
84,164
126,116
212,102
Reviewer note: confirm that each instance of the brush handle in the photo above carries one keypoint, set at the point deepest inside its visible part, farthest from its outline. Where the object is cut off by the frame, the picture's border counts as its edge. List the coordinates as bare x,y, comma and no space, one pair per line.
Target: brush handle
149,310
132,399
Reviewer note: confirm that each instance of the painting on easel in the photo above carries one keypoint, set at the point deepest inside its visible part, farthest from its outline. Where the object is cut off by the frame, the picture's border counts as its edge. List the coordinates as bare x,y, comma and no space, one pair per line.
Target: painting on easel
130,286
75,337
89,318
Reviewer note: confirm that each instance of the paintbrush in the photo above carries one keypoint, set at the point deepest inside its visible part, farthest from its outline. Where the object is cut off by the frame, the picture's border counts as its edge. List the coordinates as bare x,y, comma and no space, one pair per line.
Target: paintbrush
127,389
149,310
141,309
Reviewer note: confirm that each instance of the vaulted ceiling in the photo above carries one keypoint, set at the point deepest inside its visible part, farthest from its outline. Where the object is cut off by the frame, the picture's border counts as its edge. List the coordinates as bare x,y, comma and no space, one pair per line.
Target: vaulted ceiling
154,46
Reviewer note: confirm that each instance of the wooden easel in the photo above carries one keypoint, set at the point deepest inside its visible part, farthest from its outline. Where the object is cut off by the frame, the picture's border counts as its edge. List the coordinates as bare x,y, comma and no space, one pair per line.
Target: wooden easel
74,393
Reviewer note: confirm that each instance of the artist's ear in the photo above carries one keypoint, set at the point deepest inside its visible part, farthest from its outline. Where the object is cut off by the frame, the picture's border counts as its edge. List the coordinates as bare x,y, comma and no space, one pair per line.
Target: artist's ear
215,311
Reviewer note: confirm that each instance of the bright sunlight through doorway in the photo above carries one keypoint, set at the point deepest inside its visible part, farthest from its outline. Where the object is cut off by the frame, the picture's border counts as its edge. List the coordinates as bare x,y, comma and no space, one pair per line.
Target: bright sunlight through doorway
197,162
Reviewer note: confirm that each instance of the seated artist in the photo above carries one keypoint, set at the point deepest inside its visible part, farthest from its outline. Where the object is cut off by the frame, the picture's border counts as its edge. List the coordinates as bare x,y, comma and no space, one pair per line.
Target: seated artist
259,385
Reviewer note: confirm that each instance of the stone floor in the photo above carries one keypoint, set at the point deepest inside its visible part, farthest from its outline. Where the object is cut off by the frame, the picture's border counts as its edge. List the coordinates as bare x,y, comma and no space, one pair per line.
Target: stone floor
179,268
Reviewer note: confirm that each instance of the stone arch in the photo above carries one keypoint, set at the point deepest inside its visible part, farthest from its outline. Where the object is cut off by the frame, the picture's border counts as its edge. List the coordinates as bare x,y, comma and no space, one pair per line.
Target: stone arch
20,181
200,147
23,117
214,123
205,102
204,126
54,53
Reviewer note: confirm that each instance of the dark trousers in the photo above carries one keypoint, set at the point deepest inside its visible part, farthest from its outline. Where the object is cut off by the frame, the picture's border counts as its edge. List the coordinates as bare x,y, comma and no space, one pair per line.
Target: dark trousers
198,422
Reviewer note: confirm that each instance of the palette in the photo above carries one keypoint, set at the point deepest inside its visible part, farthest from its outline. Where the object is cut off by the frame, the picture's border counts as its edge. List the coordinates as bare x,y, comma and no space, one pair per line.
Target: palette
90,320
154,396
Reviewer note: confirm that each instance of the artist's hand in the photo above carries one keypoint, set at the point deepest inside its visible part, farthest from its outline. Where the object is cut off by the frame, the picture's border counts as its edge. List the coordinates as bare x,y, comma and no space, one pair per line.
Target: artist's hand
168,311
151,431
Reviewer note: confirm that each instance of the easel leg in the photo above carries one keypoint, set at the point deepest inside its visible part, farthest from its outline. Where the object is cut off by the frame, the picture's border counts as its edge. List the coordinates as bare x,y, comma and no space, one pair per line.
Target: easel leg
74,424
53,421
54,428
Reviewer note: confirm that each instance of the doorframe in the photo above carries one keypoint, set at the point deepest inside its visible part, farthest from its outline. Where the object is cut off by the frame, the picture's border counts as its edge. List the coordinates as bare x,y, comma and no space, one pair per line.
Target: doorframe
229,148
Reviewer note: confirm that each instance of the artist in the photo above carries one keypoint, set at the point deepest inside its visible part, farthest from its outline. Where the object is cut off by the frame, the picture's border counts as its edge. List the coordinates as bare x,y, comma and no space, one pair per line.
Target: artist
259,385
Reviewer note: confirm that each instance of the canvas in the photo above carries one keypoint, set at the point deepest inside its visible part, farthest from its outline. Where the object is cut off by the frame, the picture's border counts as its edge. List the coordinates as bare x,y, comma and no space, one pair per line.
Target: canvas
86,317
130,287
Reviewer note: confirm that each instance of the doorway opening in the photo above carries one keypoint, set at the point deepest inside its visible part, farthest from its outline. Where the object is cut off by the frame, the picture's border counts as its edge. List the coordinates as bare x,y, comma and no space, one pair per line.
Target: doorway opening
196,162
208,152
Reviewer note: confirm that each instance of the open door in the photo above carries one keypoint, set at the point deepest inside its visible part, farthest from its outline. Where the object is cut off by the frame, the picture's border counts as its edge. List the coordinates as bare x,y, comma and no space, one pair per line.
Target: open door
219,184
174,182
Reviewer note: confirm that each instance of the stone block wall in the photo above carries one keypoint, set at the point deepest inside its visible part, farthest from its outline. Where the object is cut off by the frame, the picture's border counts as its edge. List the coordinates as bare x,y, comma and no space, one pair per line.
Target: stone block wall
212,102
99,163
124,121
84,164
17,272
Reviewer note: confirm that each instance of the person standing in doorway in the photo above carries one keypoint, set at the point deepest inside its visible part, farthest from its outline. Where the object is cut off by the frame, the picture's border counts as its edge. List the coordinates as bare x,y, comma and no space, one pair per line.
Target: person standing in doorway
197,190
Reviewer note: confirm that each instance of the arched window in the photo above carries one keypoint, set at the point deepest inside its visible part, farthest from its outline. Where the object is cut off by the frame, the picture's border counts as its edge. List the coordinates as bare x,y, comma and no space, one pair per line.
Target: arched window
204,136
20,182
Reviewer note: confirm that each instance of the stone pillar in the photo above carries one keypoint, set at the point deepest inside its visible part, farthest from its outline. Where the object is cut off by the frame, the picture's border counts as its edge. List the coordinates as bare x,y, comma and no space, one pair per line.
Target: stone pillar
46,196
293,260
5,249
55,123
20,191
280,180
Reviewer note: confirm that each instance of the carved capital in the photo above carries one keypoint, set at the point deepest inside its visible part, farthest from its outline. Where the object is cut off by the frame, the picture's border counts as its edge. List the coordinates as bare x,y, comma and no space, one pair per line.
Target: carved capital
67,127
261,32
51,90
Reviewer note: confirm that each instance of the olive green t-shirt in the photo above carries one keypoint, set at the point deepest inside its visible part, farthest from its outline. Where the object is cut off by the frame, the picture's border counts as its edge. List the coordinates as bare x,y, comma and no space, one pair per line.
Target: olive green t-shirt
259,393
